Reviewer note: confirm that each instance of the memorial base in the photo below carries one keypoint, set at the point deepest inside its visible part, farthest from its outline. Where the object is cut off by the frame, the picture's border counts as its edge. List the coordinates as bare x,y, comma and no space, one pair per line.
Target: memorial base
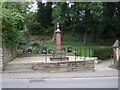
59,58
70,54
59,55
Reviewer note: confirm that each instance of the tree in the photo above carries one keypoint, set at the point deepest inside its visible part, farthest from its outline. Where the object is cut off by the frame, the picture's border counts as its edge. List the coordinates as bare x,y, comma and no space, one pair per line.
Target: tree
74,16
13,19
110,20
20,7
44,14
59,14
10,27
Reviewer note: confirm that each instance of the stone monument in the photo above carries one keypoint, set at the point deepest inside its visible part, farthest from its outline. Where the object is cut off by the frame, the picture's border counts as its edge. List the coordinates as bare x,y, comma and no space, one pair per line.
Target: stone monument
58,38
59,53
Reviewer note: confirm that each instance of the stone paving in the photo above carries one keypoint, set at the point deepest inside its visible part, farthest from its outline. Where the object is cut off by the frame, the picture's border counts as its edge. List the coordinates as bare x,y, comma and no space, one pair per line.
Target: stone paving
42,58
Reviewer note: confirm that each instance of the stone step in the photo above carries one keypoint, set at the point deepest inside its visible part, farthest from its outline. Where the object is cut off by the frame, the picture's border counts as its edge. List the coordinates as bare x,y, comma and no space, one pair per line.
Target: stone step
1,67
18,68
0,51
18,71
19,64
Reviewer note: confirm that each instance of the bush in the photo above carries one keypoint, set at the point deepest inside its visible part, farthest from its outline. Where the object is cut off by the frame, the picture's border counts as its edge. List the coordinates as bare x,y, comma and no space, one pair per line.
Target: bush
103,52
11,21
35,28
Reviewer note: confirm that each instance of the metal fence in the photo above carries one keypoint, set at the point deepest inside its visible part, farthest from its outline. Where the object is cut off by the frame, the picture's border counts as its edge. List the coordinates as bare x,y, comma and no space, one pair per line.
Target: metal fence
77,52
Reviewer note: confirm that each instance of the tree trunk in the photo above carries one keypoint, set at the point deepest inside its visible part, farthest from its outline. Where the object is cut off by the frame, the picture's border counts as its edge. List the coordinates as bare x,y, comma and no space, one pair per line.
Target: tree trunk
85,36
25,27
53,35
87,20
73,29
61,29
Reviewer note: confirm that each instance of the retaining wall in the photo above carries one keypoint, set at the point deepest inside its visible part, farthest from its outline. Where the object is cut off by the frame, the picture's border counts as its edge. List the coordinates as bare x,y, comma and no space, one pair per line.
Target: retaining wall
8,54
68,66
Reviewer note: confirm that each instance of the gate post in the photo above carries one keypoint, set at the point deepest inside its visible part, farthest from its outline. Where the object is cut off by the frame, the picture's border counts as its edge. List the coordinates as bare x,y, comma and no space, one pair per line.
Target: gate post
116,54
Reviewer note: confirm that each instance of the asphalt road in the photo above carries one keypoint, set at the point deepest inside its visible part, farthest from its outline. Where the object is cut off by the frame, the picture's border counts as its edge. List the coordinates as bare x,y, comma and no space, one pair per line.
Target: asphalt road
96,82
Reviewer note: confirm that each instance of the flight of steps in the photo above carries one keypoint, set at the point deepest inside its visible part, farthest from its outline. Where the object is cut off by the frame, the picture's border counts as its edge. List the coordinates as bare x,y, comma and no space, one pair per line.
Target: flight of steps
18,68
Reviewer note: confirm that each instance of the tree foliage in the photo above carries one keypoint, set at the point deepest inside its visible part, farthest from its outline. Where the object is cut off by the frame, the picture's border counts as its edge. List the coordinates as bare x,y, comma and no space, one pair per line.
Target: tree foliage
42,21
10,27
13,20
97,21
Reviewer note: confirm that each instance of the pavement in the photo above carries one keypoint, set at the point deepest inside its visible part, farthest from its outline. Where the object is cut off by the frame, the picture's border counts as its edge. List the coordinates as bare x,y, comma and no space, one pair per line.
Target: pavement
101,70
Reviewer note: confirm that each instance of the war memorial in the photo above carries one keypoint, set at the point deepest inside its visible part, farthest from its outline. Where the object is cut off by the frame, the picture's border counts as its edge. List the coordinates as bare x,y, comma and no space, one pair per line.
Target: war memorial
59,62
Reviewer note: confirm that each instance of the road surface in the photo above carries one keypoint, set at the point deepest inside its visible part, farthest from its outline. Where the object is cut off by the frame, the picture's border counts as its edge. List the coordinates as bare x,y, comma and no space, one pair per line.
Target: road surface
96,82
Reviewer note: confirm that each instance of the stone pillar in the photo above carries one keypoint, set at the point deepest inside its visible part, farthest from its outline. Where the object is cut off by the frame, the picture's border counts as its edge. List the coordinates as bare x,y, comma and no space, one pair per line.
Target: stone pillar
58,38
116,52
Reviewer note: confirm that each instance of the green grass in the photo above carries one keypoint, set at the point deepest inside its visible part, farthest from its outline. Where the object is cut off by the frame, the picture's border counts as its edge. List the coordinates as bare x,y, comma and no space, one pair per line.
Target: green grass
113,66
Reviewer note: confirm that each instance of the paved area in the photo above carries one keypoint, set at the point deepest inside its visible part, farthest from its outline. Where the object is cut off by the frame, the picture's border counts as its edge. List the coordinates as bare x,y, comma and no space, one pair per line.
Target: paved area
101,70
43,58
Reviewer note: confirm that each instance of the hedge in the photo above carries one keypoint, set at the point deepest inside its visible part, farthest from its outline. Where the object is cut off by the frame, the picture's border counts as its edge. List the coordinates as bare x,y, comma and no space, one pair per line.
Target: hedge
103,53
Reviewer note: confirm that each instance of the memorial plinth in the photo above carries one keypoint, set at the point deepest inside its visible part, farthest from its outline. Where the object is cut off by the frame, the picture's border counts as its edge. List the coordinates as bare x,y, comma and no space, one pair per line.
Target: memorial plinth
59,54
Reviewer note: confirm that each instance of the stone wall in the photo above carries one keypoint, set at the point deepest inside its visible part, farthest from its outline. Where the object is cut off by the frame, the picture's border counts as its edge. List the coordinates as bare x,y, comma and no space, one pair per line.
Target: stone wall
68,66
1,60
8,55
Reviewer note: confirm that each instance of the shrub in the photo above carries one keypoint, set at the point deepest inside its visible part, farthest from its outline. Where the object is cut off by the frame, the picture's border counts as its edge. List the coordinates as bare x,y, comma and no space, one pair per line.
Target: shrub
11,21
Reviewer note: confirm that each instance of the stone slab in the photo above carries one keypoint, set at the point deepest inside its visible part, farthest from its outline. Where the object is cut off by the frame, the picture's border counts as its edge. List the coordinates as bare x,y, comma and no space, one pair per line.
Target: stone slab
59,58
70,54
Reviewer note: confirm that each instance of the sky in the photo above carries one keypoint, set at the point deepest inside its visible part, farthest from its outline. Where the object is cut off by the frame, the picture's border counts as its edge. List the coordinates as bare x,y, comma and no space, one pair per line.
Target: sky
34,7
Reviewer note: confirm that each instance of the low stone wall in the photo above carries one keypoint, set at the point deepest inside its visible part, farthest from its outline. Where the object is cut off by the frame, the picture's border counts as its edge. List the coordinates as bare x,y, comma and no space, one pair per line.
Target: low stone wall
68,66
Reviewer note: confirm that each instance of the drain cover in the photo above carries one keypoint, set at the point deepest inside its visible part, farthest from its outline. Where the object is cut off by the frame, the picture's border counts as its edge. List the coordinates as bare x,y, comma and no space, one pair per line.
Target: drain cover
40,80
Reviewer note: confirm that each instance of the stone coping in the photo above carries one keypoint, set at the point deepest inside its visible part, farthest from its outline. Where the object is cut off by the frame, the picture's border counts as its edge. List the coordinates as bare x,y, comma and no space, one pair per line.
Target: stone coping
65,61
30,55
52,62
